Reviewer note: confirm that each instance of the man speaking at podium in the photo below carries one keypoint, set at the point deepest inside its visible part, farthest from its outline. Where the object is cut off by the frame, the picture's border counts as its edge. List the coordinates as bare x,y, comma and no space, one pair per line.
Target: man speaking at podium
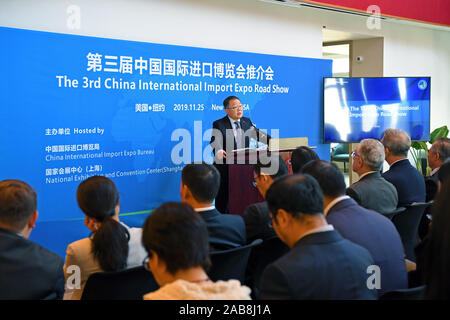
230,133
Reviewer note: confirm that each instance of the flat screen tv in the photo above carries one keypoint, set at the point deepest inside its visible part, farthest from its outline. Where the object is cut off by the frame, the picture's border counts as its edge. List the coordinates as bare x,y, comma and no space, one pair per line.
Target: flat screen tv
361,108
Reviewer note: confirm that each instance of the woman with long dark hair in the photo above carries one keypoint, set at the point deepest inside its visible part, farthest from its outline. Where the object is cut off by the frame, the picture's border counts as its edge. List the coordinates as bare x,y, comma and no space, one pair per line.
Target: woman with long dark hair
112,246
437,256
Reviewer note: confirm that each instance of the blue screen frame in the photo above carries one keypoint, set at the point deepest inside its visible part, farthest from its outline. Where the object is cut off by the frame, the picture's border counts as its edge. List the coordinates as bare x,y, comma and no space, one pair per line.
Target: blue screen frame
378,96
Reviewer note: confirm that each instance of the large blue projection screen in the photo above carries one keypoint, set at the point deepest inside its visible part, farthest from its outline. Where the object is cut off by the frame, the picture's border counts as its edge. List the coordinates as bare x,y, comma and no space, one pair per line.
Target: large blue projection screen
75,106
360,108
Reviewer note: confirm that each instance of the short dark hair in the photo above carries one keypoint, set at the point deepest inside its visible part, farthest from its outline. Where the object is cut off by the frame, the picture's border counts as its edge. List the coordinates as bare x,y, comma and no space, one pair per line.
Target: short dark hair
178,235
226,102
17,203
202,179
296,194
329,177
275,167
301,156
442,147
444,171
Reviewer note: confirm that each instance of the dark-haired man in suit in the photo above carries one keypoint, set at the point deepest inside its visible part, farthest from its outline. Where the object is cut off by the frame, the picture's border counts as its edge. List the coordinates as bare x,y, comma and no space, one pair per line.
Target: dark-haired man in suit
199,185
27,270
321,264
231,132
364,227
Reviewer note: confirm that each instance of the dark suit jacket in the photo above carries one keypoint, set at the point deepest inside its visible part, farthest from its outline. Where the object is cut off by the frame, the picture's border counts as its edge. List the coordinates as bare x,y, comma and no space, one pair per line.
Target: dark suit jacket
319,266
225,231
27,270
408,181
378,235
257,222
223,126
375,193
431,186
226,130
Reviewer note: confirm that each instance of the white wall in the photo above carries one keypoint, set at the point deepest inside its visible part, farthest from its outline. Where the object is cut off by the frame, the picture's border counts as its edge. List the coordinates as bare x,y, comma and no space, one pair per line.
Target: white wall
249,25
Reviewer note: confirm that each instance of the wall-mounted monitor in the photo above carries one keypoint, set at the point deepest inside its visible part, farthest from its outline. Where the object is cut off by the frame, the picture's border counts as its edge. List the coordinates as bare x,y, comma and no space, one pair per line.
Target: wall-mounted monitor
361,108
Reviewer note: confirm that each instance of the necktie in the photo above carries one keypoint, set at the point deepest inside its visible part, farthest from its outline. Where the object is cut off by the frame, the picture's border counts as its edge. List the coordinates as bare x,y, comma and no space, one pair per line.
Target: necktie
239,143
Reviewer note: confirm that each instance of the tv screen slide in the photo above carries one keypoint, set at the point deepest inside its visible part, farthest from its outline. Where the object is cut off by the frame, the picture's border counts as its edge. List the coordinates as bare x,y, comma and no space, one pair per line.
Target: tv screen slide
361,108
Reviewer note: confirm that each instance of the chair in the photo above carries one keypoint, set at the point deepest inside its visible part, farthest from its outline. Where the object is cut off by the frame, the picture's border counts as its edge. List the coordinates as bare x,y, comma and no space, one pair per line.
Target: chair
261,256
340,153
231,263
407,224
129,284
390,215
404,294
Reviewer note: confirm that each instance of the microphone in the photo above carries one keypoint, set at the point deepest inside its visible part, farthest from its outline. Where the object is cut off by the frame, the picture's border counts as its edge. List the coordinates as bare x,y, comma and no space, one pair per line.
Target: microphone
261,135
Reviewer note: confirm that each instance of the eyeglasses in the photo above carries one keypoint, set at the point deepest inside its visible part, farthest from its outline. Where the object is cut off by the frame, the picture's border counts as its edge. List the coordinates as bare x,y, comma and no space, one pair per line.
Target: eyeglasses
237,107
145,264
354,154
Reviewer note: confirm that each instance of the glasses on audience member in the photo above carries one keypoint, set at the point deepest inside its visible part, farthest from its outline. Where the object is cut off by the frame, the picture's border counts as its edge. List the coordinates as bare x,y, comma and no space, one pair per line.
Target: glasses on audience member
354,155
145,263
236,107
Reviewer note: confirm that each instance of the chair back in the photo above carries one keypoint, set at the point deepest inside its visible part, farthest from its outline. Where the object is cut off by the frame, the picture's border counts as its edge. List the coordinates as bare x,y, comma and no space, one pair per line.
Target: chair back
129,284
407,224
261,256
404,294
392,214
231,263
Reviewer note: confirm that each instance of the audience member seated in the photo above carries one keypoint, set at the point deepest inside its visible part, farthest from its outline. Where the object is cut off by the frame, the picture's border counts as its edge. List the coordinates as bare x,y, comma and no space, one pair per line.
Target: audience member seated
28,271
416,275
321,264
437,255
372,191
199,186
176,239
257,216
438,153
301,156
364,227
406,179
113,246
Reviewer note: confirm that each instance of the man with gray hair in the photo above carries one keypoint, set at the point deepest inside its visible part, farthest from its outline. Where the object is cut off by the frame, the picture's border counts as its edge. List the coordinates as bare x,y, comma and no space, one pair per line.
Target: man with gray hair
372,191
408,181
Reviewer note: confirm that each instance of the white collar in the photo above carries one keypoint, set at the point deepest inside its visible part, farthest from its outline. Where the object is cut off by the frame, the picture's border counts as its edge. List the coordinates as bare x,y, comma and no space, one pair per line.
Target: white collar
332,203
204,209
326,228
233,121
434,171
365,174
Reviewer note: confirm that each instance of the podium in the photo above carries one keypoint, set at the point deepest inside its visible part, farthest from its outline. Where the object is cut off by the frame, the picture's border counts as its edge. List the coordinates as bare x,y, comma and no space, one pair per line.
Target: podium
241,191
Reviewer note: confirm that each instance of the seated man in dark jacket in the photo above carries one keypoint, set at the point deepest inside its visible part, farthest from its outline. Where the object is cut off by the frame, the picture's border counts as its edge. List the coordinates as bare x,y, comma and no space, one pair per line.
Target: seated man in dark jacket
199,186
366,228
406,179
256,216
27,270
321,264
